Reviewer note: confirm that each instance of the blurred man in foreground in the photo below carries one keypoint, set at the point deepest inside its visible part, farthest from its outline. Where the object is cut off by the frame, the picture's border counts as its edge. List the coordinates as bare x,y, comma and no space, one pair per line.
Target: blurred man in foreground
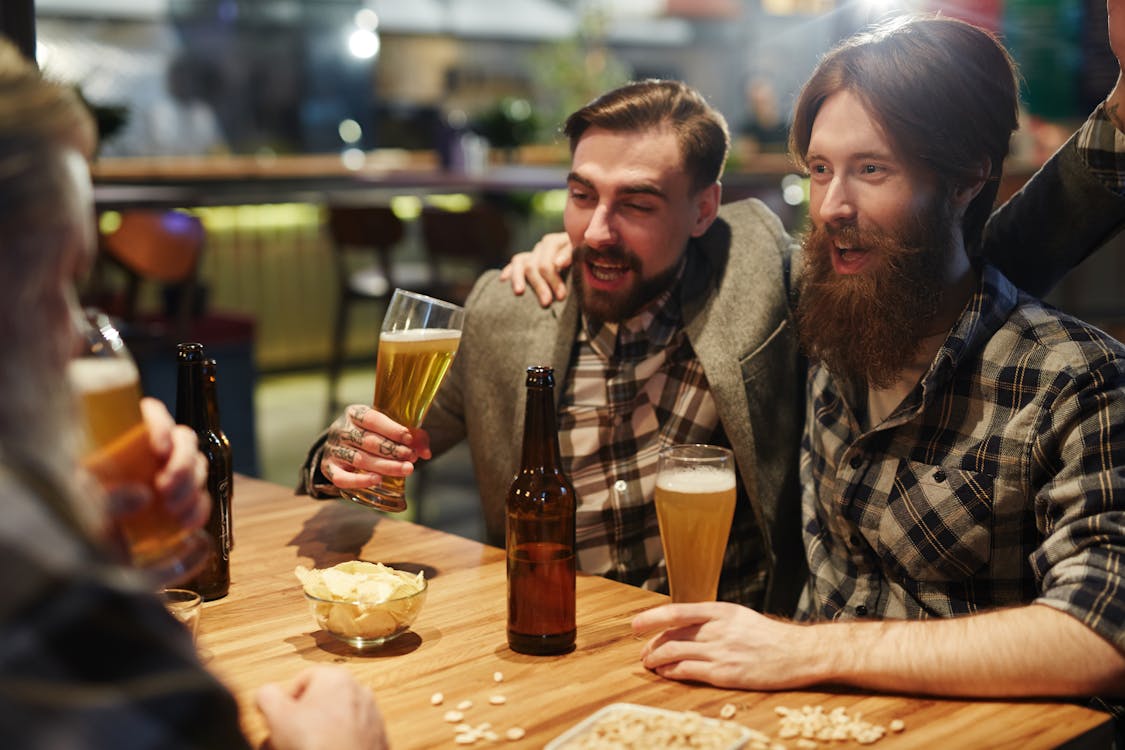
963,500
88,656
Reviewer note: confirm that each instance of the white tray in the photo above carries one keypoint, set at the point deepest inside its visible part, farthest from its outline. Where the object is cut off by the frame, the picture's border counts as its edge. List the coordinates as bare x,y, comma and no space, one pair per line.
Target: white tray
588,723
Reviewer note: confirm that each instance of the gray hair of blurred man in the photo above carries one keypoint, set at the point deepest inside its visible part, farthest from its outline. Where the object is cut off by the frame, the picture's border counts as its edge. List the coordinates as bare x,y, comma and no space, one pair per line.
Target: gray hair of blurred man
700,129
46,132
944,91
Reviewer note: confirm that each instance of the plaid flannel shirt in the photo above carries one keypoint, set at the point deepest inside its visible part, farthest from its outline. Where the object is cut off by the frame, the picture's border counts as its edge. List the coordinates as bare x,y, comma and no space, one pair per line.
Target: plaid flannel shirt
997,482
633,389
1102,147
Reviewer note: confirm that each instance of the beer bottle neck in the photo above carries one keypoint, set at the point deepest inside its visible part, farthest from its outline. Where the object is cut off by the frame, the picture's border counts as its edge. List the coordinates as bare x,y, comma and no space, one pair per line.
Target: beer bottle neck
210,397
191,408
540,433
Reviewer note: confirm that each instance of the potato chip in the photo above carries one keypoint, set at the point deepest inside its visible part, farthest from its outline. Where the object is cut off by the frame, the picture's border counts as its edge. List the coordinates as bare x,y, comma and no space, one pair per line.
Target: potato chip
363,600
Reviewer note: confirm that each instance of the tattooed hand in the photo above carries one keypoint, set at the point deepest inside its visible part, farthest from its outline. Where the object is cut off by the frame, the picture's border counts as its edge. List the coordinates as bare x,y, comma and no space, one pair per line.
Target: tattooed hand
365,445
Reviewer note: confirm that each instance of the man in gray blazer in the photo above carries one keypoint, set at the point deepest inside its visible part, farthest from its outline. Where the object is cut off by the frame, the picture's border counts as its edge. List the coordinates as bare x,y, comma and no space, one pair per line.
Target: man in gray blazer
675,329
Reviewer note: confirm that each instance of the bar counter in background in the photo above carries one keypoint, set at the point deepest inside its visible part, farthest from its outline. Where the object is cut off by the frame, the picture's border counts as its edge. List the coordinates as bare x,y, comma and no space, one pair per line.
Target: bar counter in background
268,256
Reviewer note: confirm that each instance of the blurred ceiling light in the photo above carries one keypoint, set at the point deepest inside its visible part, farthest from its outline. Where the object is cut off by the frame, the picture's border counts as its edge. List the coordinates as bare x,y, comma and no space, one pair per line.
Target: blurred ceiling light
350,131
353,158
42,54
367,19
363,44
876,8
793,189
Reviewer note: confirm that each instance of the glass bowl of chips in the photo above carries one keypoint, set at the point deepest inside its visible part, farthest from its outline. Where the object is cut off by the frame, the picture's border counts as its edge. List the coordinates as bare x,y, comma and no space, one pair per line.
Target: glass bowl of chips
363,604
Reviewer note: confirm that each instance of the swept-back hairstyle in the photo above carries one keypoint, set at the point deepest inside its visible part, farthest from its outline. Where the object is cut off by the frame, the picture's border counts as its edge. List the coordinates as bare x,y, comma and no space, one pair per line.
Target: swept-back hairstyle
944,91
701,130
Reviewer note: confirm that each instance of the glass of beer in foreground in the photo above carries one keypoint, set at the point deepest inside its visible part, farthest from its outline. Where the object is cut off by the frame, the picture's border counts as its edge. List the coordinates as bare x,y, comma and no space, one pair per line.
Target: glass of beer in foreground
417,342
695,495
118,452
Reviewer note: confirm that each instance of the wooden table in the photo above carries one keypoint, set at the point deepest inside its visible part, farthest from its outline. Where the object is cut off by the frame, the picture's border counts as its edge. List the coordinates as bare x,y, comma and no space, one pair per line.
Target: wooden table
263,631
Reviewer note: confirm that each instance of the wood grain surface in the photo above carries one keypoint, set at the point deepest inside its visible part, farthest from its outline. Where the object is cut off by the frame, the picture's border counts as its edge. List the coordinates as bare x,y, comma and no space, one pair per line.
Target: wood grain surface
263,631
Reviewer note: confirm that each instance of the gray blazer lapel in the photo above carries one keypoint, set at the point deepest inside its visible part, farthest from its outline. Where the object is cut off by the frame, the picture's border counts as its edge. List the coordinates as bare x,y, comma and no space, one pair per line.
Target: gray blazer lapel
711,322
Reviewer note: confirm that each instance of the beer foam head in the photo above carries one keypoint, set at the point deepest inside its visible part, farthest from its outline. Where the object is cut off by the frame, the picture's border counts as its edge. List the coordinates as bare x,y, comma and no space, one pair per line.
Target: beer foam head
422,334
92,374
696,479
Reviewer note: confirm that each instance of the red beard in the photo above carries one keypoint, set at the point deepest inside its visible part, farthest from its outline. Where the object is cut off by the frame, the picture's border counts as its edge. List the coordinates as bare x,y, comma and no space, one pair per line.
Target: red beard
866,327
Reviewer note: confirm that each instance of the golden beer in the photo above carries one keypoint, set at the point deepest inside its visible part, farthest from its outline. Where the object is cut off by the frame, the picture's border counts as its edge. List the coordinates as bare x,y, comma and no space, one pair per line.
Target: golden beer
409,369
694,507
418,339
118,450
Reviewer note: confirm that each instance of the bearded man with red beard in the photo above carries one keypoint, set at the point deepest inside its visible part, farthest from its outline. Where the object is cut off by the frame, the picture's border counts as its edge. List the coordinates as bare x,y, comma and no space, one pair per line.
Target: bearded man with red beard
963,492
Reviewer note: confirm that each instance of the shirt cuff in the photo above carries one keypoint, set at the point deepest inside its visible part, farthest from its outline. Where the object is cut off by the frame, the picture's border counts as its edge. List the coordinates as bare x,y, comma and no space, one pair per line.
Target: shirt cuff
313,482
1101,147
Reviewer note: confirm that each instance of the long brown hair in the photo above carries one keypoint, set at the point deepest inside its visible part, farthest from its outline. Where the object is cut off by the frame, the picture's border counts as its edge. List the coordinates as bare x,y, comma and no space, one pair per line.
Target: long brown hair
944,91
701,130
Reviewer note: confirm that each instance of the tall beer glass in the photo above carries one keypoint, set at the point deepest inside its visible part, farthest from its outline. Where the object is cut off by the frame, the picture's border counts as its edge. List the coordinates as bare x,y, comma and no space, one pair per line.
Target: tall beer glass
695,496
417,342
118,451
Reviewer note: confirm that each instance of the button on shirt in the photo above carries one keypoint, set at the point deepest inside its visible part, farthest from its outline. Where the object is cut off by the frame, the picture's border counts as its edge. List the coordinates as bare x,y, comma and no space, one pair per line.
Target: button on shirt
634,388
996,482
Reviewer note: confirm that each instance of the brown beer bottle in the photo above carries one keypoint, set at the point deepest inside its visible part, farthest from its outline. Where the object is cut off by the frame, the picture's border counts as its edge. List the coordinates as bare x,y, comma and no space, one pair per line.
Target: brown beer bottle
192,409
540,532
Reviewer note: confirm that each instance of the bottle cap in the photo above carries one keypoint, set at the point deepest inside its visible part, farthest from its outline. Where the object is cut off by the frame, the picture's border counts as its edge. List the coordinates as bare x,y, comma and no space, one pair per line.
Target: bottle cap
540,375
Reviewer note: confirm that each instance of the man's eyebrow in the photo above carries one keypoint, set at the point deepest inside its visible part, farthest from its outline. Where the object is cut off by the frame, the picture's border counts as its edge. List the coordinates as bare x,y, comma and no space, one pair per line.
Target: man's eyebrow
575,177
858,156
642,189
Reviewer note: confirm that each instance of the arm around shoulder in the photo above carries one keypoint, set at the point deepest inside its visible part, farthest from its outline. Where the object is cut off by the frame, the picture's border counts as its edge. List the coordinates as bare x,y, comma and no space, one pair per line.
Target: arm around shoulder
1062,215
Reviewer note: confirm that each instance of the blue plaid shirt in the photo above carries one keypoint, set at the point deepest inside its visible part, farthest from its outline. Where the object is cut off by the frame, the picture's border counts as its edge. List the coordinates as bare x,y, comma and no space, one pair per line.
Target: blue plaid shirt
998,481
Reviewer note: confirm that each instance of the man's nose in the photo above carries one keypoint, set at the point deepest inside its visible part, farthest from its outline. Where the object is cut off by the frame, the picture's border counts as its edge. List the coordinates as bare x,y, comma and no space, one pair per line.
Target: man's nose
836,204
600,232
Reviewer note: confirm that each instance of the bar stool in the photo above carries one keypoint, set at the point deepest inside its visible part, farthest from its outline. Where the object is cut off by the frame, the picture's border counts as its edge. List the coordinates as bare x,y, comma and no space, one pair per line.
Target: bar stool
460,245
371,231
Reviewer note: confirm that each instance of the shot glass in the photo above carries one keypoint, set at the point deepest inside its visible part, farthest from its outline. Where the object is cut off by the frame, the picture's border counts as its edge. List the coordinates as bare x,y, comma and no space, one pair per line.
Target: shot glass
186,606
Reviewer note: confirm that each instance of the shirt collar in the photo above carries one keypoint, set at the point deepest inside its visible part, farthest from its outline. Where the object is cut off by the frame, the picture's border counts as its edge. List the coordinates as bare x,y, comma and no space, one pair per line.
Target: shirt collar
984,314
647,332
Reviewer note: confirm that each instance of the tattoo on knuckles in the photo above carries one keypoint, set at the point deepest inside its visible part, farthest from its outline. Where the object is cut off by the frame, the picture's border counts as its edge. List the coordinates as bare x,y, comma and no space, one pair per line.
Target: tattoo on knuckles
344,454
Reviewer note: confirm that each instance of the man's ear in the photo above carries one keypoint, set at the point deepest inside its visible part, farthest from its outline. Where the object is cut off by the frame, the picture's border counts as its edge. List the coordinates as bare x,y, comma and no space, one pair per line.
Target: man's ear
964,193
707,203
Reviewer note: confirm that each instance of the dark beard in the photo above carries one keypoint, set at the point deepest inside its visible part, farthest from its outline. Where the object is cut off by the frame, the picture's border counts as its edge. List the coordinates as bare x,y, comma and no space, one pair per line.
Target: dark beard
866,327
609,308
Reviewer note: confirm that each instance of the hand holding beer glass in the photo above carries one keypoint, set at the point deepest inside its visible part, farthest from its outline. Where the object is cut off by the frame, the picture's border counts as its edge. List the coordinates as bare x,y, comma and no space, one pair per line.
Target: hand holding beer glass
695,496
118,452
417,342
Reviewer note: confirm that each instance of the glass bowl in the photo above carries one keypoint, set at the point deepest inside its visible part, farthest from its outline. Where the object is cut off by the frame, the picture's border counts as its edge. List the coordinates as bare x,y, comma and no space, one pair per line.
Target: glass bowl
364,625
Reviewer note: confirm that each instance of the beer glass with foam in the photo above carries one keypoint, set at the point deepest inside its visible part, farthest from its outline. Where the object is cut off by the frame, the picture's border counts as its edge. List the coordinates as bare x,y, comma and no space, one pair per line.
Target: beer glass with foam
118,452
695,495
417,342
